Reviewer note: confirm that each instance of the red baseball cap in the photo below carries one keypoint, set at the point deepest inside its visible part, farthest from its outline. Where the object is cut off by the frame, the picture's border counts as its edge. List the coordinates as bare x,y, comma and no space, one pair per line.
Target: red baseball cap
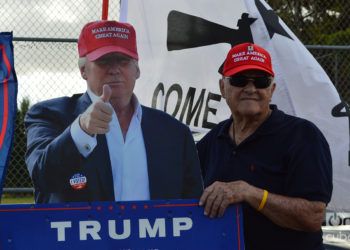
247,56
102,37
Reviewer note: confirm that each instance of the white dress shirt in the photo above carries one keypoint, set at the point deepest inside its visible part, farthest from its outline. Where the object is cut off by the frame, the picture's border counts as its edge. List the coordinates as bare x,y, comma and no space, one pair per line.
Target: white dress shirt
128,158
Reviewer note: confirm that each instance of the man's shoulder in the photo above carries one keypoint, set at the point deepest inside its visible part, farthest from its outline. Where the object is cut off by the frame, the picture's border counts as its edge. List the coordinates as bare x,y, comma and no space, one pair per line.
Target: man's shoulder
156,112
159,116
56,107
215,131
298,127
297,122
63,104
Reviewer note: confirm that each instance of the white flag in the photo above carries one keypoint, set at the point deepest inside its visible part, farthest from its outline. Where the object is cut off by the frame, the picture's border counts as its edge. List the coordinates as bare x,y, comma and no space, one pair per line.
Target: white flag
182,43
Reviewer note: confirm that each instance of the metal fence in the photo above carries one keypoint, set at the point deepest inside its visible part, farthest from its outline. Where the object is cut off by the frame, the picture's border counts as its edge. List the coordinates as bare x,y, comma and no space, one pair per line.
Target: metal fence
45,33
335,61
46,56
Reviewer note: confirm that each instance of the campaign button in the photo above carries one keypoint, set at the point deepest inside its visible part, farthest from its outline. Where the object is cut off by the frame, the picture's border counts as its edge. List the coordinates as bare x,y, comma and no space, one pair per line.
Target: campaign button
78,181
87,147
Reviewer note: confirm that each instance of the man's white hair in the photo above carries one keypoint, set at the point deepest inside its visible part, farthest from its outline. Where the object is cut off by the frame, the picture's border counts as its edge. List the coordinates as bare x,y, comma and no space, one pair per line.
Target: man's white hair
81,62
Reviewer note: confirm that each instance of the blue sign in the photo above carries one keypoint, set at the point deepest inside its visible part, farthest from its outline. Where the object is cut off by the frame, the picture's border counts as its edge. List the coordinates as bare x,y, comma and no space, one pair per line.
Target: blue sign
175,224
8,101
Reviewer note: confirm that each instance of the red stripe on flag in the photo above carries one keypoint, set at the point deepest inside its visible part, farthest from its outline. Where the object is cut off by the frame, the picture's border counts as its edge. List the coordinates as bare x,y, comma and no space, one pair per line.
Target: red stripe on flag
33,209
5,87
177,205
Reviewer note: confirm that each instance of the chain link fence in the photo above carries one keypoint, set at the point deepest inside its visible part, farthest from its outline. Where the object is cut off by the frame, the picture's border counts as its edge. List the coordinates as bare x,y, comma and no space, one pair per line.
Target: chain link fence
324,26
45,35
336,62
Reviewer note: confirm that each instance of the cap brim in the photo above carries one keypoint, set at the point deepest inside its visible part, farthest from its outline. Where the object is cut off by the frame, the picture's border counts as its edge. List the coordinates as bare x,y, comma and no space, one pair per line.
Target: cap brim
247,67
94,55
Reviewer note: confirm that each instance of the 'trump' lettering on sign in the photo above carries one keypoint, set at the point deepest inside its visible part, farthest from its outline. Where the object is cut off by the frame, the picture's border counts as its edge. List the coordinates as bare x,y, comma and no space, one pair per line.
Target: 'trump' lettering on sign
91,229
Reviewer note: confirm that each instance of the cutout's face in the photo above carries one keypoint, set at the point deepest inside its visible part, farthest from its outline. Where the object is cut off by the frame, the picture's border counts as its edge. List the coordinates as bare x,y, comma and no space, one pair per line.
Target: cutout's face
115,69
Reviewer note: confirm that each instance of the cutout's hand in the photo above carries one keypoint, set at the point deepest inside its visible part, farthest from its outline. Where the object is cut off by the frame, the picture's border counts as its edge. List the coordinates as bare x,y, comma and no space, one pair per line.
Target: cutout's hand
96,119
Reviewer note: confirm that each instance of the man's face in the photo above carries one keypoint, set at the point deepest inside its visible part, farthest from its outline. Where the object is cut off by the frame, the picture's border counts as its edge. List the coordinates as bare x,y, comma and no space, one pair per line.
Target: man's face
247,100
115,69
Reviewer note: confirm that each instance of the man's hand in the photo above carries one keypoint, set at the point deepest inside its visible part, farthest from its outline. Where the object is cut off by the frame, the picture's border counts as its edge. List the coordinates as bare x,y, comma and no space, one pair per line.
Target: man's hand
96,119
289,212
219,195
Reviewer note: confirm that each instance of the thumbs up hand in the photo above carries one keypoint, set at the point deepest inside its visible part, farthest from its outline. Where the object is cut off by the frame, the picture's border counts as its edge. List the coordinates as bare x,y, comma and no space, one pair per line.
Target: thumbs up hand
96,119
106,93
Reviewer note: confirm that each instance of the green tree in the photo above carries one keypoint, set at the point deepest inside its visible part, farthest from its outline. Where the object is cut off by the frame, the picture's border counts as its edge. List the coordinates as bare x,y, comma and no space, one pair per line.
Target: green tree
316,22
322,22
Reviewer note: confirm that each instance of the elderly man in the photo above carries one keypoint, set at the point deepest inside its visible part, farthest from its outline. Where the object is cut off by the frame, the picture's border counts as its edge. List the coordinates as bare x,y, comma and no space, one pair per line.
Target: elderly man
103,145
279,166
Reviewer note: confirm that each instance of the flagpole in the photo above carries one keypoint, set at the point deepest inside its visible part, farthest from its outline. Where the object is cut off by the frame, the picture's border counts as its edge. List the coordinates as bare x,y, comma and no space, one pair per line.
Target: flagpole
104,9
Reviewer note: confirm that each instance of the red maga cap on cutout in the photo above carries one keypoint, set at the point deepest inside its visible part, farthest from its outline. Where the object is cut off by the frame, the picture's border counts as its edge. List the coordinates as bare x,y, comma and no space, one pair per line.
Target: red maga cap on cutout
102,37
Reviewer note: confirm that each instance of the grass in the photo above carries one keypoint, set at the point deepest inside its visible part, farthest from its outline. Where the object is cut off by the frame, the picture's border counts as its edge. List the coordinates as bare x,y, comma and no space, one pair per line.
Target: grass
12,199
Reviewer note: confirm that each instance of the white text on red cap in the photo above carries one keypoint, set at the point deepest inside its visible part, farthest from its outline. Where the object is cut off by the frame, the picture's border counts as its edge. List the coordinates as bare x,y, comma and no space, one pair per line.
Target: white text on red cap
107,32
244,56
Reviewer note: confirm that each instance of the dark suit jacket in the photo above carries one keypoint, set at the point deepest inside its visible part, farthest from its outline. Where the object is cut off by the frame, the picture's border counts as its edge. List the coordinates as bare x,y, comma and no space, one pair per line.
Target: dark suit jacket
52,157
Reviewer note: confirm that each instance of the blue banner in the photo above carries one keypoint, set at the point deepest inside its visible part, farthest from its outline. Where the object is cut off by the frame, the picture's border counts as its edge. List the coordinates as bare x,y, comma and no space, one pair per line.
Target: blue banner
175,224
8,101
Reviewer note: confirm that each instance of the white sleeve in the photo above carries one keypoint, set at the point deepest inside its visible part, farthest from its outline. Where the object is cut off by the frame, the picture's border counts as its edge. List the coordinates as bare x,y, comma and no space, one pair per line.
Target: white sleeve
84,142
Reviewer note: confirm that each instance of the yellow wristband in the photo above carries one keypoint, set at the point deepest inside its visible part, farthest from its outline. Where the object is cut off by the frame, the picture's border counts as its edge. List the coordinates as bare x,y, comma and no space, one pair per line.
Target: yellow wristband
263,200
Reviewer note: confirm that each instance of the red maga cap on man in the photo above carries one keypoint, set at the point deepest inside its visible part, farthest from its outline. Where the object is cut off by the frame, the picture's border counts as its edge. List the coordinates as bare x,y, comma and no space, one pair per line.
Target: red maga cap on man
247,56
102,37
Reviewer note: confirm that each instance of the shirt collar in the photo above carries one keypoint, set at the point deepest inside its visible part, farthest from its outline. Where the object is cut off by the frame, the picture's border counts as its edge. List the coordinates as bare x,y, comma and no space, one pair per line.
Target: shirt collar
134,101
224,130
272,123
267,127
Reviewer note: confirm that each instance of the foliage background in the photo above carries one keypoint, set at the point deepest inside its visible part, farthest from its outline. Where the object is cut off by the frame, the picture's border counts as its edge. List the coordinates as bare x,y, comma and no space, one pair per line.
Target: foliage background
324,23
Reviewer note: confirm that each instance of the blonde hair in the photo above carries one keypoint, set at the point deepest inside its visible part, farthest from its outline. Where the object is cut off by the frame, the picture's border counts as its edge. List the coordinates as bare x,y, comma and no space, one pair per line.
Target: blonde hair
81,62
